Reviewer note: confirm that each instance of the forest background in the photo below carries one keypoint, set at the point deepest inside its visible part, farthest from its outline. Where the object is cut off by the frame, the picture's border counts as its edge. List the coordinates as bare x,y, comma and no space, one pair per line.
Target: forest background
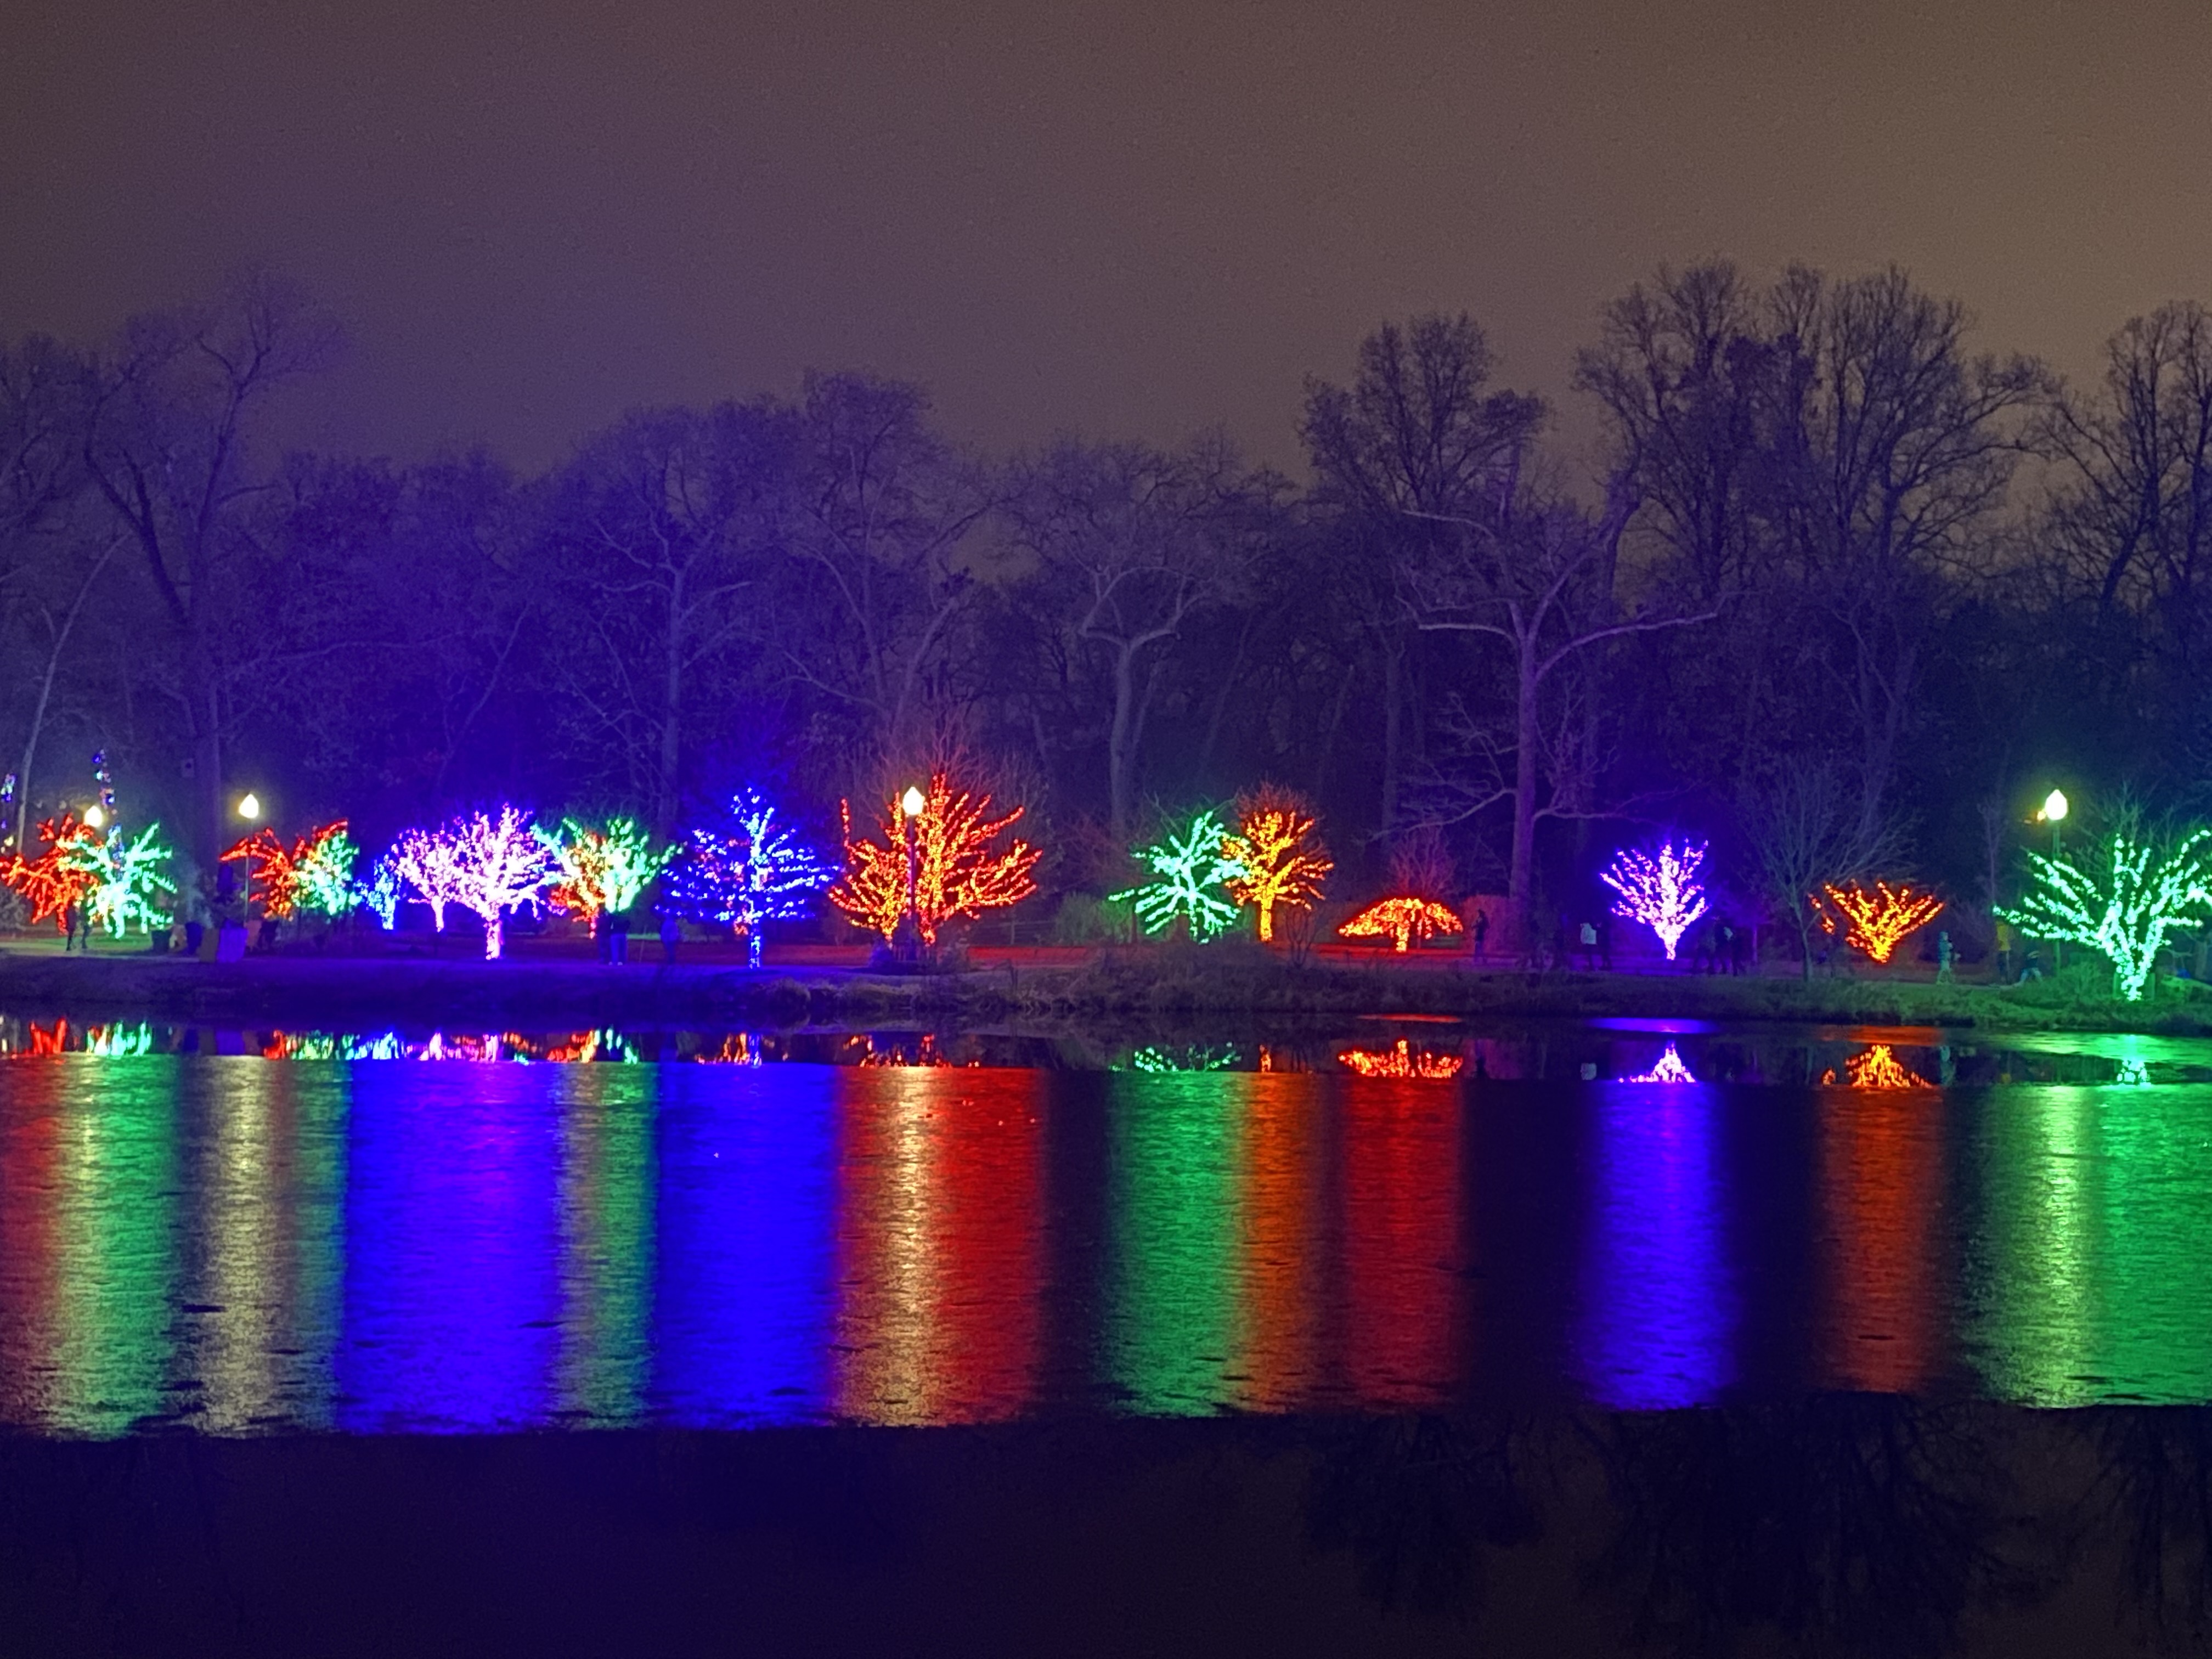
1837,587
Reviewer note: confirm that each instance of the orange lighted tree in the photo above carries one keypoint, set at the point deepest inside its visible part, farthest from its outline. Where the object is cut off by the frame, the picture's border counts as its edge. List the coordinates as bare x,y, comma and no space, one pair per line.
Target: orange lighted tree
54,880
1402,920
954,871
1279,859
1403,1061
1880,920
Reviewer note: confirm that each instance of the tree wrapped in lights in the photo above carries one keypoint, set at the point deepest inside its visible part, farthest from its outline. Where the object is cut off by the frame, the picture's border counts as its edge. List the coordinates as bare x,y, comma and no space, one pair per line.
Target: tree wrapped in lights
1189,885
1402,920
603,871
423,860
761,872
128,878
1879,921
383,890
60,876
1277,858
494,864
314,874
935,863
1670,1067
1663,892
2124,905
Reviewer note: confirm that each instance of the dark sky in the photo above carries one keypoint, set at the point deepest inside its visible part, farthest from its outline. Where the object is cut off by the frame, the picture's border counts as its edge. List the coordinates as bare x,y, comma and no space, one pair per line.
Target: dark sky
1127,219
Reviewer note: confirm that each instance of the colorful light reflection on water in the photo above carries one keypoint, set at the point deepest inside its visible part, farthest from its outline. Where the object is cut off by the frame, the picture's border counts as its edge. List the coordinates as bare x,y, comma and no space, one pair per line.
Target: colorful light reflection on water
370,1246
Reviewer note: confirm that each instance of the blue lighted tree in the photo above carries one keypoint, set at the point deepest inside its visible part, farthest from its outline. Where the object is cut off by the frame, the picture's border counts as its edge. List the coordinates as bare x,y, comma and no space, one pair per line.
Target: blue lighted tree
759,873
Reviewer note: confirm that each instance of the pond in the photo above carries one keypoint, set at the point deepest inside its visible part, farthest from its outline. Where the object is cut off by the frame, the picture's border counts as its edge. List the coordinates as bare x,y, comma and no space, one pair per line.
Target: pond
257,1233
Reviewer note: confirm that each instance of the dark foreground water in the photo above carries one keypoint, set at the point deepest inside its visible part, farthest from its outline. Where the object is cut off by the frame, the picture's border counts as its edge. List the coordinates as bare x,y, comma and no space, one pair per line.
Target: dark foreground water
1563,1340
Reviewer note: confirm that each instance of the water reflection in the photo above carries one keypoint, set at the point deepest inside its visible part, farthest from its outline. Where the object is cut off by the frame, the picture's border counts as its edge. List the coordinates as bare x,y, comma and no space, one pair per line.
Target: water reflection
369,1245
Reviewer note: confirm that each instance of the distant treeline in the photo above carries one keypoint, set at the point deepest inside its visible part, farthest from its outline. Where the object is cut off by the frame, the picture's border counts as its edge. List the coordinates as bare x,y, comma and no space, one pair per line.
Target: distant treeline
1842,591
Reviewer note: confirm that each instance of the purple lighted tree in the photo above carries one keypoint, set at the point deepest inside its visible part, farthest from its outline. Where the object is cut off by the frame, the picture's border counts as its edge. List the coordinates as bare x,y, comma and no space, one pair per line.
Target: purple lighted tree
1661,891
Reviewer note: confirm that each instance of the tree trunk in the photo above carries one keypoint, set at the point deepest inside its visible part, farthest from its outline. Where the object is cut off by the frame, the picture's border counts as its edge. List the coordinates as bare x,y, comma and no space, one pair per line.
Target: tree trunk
1394,693
671,727
1120,745
1524,780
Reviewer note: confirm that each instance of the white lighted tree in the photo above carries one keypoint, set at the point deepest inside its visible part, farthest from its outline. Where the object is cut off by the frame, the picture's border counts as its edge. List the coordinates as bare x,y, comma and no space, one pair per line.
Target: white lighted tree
2131,895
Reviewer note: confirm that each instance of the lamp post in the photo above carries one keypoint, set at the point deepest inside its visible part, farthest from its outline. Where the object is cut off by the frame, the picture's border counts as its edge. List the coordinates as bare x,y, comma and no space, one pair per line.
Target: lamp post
2053,812
249,808
911,808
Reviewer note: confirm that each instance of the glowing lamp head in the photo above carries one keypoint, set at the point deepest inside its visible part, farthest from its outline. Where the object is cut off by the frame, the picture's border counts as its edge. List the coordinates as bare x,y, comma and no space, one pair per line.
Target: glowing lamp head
249,807
913,801
2054,806
94,817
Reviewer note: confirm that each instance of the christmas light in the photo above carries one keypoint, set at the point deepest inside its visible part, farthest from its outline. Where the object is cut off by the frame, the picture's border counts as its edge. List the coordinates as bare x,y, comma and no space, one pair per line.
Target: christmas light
423,860
383,890
123,879
1878,1069
322,872
935,863
603,871
1663,893
314,874
1403,1061
2125,907
1402,920
1668,1068
1278,860
1190,874
1190,1057
494,864
59,877
1880,920
761,872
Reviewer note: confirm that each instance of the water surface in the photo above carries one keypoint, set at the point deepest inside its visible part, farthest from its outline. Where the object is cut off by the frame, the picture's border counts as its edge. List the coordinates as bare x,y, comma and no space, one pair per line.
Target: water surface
196,1237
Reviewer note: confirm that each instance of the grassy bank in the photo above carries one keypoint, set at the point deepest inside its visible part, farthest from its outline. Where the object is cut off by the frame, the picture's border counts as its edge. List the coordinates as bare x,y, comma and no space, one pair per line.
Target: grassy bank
1220,986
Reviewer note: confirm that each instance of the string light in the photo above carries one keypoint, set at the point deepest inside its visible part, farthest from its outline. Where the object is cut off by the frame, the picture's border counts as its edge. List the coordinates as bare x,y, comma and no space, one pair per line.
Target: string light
422,859
314,874
1663,893
1880,920
1190,872
1877,1068
496,864
383,890
2125,908
1402,920
763,873
1278,860
603,871
1670,1067
59,877
953,872
1401,1060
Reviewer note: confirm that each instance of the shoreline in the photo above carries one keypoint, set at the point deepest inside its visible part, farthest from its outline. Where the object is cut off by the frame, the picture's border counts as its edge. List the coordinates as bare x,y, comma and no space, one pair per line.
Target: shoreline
1166,988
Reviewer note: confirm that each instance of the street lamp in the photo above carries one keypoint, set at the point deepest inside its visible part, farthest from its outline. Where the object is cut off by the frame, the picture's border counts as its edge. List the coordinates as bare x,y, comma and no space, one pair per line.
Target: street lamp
2054,814
249,806
94,817
911,804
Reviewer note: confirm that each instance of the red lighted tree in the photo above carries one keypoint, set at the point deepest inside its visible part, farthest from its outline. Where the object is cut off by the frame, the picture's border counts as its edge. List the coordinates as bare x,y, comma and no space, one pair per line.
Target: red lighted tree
935,863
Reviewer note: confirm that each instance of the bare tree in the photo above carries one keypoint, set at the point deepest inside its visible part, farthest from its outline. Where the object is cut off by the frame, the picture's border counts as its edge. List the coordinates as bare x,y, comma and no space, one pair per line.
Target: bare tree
877,579
1132,542
1540,579
1806,832
1418,442
167,442
657,527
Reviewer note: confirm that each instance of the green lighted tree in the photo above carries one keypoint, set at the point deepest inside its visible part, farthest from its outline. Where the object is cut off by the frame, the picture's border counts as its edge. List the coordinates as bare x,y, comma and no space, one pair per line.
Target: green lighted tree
2133,894
1189,873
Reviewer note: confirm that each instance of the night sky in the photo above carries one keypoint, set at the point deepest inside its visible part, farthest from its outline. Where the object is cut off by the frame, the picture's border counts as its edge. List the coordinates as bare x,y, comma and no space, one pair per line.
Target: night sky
1128,220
